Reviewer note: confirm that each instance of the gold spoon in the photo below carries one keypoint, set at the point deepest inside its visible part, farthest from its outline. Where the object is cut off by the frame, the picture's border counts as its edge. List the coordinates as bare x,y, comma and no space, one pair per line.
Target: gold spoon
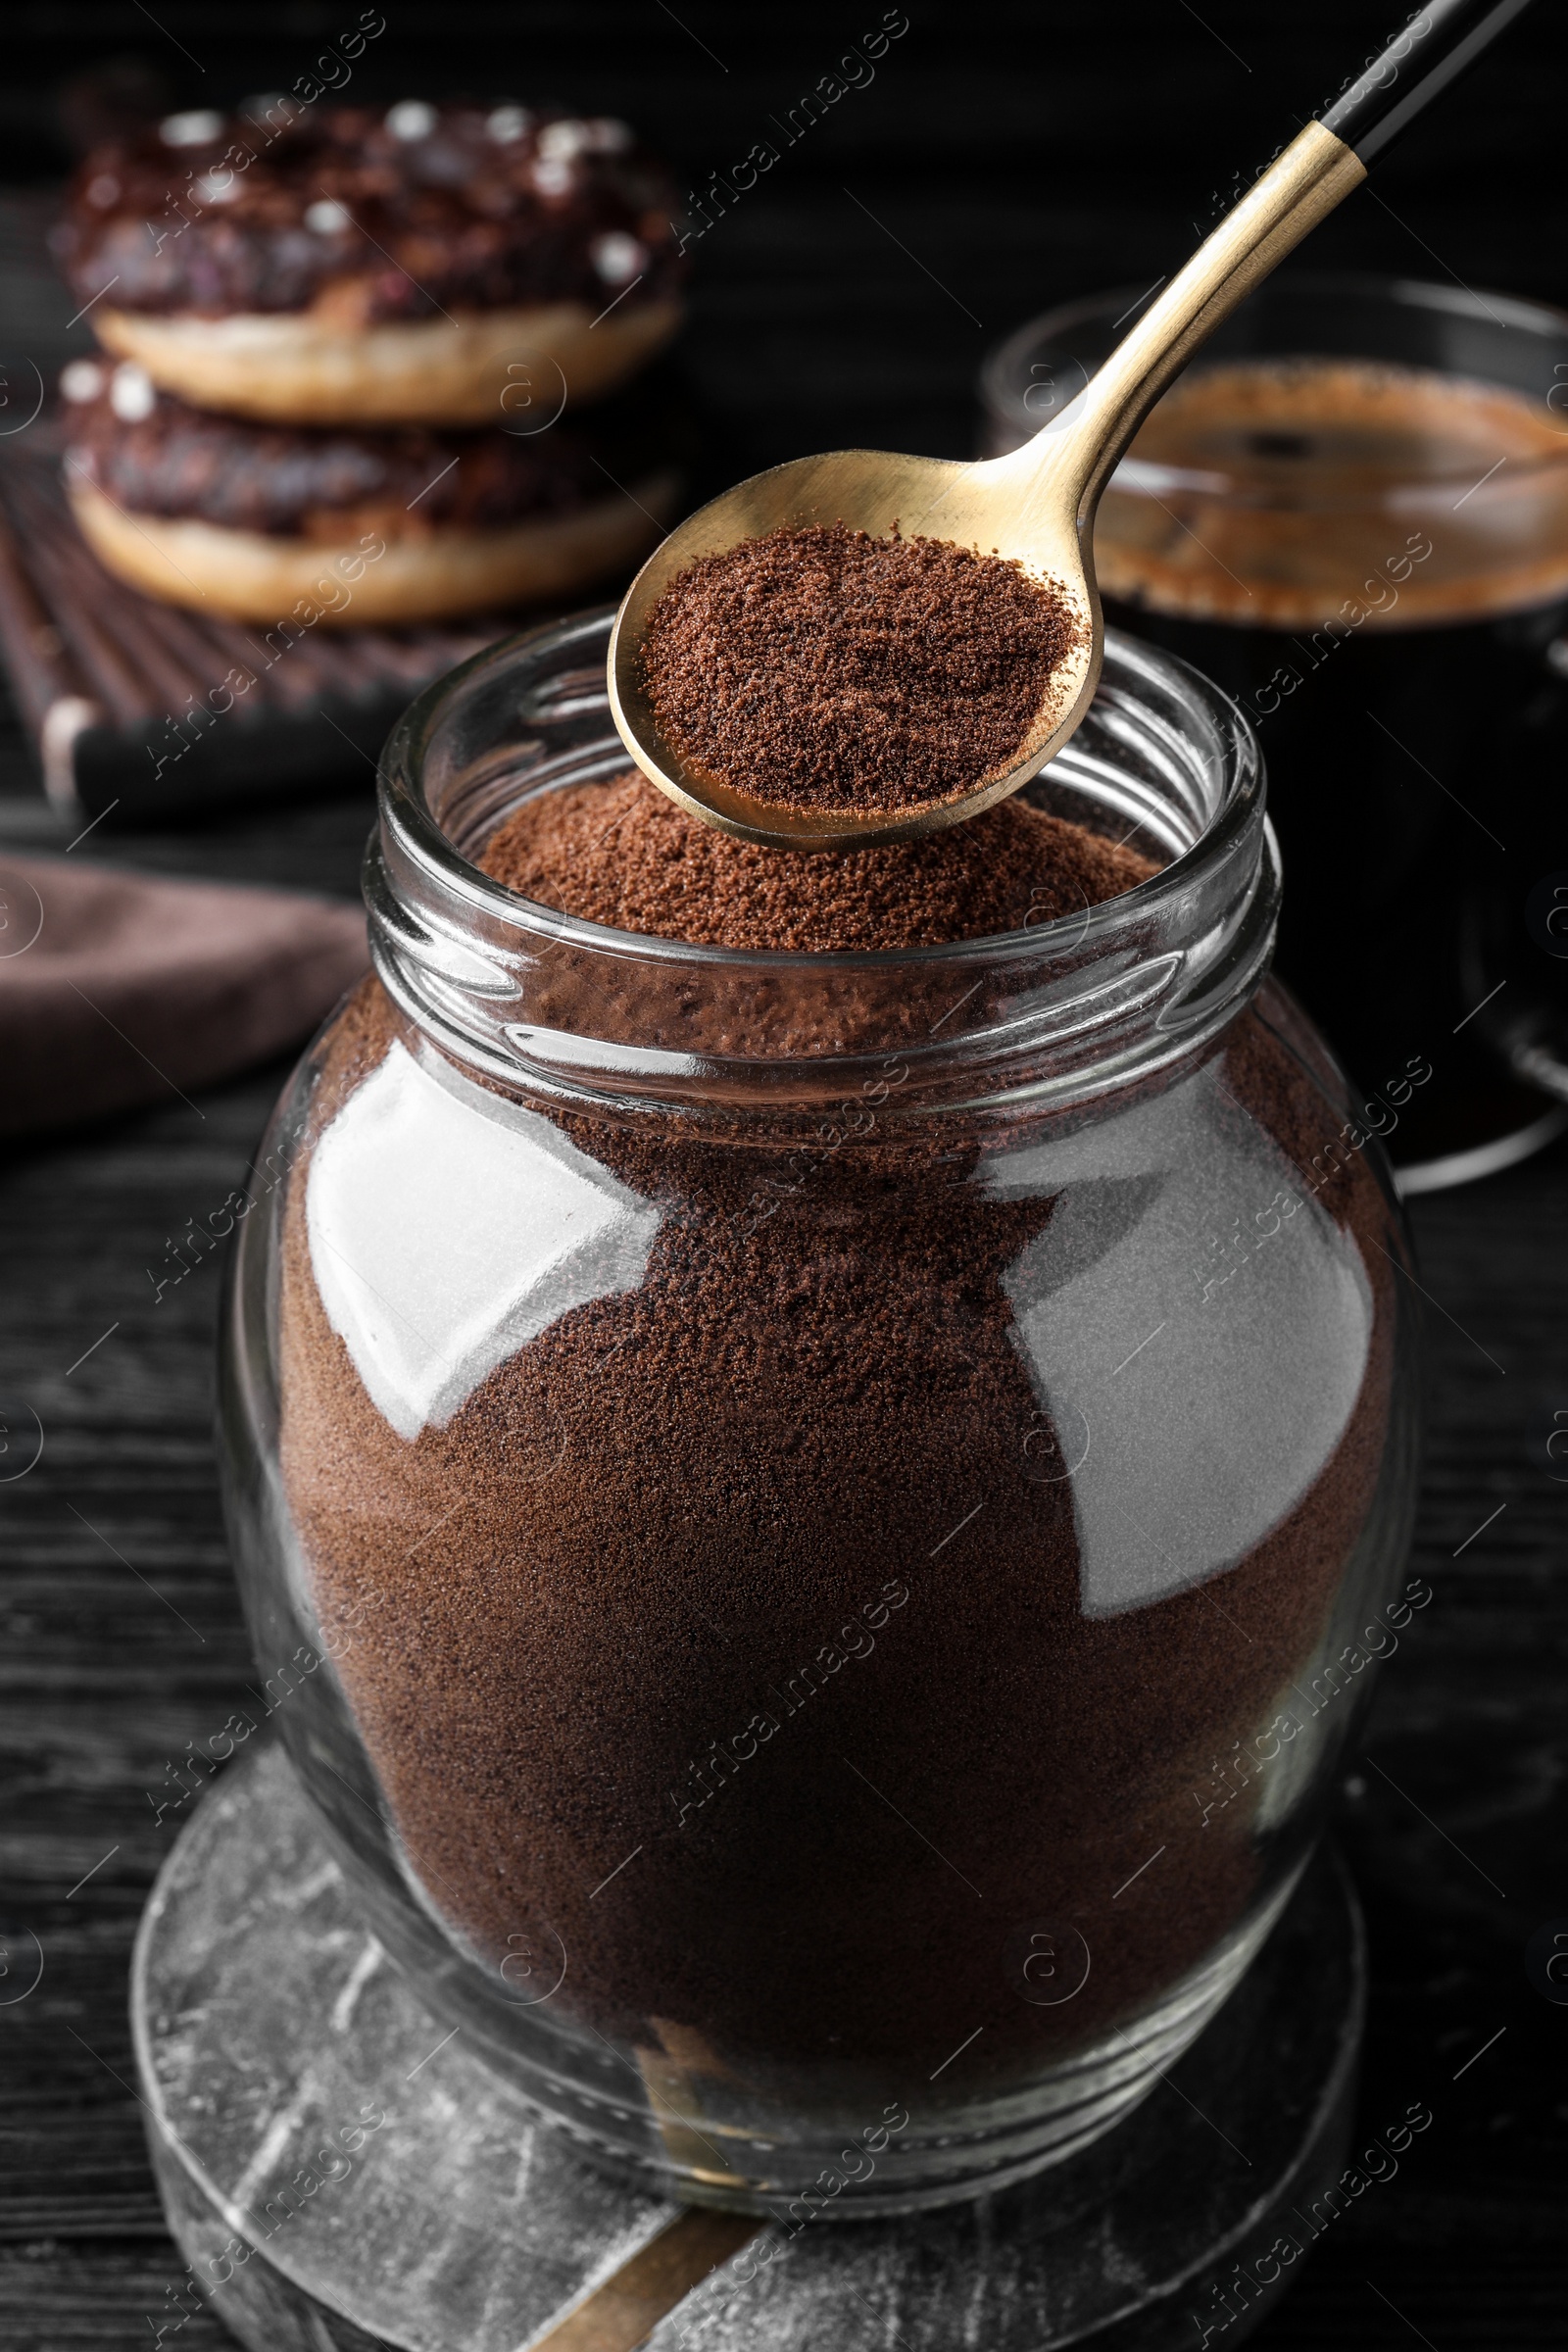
1037,504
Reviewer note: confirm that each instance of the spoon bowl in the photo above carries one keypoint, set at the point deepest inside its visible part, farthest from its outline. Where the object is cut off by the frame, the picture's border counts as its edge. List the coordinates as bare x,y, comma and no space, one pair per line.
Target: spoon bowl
985,506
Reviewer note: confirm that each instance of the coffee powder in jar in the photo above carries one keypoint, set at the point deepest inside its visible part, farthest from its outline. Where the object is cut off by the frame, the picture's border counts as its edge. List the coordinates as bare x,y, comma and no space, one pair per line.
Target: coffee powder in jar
624,854
730,1631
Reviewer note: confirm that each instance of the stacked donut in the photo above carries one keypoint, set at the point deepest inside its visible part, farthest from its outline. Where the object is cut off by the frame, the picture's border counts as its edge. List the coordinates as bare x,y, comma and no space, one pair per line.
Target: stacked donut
372,361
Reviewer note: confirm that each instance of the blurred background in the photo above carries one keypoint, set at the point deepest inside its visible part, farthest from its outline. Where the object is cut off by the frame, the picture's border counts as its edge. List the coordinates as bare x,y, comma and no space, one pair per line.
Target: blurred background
1000,161
1003,159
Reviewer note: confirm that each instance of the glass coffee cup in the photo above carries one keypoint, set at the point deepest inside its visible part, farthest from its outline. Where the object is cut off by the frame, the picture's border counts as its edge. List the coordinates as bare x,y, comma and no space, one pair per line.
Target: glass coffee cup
1352,511
821,1521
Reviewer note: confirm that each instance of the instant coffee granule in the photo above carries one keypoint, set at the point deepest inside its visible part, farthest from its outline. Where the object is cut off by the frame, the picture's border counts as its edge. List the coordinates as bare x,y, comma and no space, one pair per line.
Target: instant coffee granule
626,855
729,1577
822,668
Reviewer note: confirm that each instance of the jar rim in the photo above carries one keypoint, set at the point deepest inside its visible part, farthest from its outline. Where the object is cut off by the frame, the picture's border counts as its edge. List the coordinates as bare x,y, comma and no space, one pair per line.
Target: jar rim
405,803
540,998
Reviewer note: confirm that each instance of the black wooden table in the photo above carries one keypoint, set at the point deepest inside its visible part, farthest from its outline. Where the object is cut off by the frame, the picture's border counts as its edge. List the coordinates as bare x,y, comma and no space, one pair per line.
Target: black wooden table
996,164
123,1644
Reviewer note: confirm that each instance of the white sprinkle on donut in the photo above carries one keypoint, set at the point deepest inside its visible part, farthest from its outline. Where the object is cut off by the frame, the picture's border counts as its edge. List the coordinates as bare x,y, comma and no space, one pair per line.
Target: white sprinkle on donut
559,143
326,217
411,119
552,176
616,257
190,131
82,380
131,393
217,187
507,124
102,191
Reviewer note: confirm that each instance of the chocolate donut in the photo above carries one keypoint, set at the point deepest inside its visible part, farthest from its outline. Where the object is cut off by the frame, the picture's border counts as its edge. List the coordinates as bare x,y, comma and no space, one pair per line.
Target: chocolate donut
337,265
394,526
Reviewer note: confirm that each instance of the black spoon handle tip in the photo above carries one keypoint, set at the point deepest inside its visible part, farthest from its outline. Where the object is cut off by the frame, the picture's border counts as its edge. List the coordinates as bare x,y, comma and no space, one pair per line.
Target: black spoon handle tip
1438,41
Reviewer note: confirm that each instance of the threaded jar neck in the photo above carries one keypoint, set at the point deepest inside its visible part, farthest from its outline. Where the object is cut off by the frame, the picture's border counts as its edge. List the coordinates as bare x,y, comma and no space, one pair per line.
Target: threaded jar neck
1061,1011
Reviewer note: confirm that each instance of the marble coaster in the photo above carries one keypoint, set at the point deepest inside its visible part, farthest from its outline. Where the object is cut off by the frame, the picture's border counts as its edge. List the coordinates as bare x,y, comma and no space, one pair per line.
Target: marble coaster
341,2172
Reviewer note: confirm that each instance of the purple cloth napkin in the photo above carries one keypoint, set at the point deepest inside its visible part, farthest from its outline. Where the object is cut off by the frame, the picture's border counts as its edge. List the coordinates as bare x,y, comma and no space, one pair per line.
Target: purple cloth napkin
116,990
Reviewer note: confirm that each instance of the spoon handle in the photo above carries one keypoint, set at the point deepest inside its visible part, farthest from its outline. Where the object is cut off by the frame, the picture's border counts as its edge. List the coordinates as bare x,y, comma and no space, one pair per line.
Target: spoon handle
1438,43
1070,460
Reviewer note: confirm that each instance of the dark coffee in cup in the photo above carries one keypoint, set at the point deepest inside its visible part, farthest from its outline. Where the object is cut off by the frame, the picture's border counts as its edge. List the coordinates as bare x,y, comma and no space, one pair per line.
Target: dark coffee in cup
1352,512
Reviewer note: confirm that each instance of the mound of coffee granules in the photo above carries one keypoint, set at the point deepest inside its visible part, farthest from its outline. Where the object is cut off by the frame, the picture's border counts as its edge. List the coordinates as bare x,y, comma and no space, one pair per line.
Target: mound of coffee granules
822,668
626,855
732,1628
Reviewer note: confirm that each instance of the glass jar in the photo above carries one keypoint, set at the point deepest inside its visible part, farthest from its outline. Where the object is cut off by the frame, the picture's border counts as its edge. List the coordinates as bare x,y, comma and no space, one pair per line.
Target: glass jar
815,1525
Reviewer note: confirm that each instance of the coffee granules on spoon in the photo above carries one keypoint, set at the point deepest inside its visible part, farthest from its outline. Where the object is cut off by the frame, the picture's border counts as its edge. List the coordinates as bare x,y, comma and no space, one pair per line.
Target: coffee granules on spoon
820,668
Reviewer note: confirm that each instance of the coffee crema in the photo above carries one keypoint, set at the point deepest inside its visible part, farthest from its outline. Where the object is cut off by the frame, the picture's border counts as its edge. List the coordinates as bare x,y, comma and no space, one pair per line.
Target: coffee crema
1259,489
